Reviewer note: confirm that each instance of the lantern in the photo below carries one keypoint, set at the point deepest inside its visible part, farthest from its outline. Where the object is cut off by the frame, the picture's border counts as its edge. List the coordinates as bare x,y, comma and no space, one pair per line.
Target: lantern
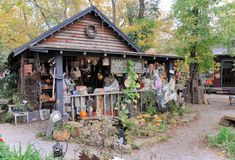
57,150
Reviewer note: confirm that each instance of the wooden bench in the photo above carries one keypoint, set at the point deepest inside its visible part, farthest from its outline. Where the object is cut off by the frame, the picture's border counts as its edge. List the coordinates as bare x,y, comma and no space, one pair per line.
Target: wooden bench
231,97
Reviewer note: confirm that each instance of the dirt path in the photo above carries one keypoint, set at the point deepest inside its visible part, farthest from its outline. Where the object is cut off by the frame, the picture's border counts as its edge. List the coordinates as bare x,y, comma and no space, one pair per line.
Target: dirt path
187,142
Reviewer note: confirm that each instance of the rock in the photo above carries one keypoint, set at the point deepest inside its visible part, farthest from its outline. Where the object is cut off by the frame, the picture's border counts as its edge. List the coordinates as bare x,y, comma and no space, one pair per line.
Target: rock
126,149
224,122
187,118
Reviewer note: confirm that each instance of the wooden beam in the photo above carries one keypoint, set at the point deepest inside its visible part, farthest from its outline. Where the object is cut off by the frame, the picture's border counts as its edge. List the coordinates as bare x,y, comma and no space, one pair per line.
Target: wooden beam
59,83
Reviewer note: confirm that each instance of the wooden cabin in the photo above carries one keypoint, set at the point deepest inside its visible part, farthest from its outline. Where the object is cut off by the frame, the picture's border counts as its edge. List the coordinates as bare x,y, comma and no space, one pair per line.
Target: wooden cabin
87,47
222,78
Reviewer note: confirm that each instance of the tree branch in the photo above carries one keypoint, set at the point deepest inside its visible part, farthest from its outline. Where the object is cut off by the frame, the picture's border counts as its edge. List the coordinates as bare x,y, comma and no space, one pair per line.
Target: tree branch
42,13
65,8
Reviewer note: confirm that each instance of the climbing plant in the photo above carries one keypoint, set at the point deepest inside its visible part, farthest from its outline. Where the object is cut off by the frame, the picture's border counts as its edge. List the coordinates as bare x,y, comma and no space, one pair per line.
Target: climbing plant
130,92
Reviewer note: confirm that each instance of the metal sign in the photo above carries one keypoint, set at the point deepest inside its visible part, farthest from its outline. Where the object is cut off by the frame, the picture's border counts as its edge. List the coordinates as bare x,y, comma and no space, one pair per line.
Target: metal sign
118,65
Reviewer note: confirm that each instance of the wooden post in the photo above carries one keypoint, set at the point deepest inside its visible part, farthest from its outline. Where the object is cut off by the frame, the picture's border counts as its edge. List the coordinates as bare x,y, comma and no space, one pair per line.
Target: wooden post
170,67
59,83
221,73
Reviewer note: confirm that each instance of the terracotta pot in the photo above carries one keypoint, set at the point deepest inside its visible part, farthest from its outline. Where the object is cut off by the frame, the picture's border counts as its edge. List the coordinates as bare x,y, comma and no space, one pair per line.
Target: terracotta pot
82,114
48,81
77,131
61,136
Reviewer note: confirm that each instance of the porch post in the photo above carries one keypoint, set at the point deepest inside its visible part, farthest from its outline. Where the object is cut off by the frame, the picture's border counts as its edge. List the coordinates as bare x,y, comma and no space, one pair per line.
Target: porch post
59,83
221,73
170,67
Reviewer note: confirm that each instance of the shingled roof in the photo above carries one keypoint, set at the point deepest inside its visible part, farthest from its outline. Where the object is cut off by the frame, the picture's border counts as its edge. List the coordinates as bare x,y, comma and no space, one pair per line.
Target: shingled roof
68,21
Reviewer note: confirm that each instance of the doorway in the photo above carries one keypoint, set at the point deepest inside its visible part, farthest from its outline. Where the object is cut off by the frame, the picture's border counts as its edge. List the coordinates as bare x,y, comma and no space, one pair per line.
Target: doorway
228,74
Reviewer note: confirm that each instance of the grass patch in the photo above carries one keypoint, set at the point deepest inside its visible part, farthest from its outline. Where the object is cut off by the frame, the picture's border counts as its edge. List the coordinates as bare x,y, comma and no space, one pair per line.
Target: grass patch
30,154
224,140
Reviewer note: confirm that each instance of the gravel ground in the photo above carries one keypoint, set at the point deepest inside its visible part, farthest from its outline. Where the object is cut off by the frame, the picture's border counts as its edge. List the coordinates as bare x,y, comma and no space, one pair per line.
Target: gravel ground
187,142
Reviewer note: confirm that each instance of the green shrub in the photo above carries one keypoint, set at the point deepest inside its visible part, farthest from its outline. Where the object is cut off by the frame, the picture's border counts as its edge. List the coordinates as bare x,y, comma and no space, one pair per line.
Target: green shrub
224,140
176,108
8,86
149,102
7,117
5,153
126,122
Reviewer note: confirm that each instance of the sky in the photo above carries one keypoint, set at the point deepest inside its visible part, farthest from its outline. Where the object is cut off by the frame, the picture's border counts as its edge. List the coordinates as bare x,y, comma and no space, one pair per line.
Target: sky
165,5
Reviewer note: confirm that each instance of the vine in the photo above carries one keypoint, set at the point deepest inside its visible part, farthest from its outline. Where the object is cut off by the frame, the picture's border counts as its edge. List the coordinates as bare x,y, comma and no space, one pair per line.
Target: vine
130,92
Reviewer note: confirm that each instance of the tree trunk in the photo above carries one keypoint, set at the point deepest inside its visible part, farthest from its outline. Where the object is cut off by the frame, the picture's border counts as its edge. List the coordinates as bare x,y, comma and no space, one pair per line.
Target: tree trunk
26,22
141,9
130,13
114,10
194,92
90,2
65,8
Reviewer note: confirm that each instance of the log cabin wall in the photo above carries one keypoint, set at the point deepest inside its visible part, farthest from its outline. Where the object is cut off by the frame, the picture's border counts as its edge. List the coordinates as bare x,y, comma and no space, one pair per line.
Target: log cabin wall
74,37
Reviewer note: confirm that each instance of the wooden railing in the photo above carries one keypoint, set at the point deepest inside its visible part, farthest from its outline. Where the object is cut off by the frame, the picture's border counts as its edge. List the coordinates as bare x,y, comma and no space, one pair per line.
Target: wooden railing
109,99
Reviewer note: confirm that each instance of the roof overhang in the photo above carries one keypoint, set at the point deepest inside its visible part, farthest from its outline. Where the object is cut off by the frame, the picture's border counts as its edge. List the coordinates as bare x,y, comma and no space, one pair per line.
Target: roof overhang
103,52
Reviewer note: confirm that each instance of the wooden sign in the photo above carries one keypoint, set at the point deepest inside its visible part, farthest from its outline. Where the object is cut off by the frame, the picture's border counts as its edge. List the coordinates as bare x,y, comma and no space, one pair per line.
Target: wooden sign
118,65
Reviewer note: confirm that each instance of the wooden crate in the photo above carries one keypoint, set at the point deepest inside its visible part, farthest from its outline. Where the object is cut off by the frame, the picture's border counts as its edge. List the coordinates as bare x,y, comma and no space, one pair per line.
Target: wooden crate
28,69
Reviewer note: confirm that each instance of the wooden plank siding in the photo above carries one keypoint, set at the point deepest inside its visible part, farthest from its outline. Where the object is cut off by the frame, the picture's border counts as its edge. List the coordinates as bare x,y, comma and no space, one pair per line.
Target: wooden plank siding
73,36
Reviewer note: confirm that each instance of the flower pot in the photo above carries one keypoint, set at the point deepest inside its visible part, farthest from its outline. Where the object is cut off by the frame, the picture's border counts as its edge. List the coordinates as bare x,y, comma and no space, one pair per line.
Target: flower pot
61,135
48,81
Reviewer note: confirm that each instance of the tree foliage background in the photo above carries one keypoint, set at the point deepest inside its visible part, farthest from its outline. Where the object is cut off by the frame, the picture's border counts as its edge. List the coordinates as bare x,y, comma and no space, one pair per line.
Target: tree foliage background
22,20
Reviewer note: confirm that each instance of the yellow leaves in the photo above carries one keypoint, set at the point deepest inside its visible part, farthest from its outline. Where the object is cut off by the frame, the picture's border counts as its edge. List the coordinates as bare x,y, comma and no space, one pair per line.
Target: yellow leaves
10,31
147,118
14,32
132,28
